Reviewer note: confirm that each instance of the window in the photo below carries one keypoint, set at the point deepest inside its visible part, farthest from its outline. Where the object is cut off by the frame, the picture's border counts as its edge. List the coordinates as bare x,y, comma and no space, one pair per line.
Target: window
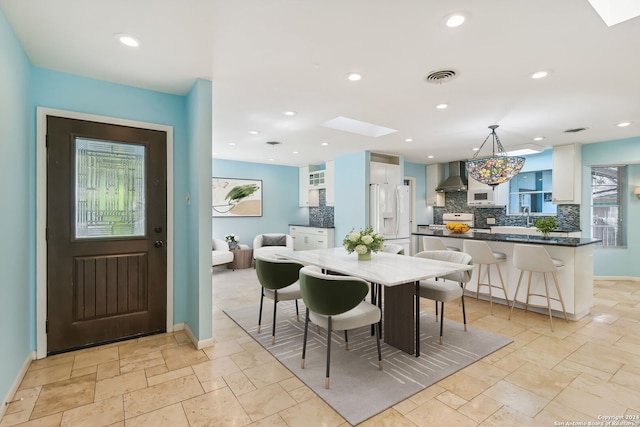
532,191
607,190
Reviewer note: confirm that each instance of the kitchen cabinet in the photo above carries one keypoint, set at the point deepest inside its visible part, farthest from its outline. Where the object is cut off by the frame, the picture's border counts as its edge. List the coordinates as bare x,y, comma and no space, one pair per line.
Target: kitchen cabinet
312,181
435,175
303,186
329,181
306,238
567,174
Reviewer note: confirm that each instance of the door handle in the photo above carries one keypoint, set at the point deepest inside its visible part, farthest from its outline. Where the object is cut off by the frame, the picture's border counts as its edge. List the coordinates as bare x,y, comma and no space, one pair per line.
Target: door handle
158,244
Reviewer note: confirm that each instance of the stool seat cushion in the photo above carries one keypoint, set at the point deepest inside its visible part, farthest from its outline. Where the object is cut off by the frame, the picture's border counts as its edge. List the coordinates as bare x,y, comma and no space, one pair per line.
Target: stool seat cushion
500,256
440,290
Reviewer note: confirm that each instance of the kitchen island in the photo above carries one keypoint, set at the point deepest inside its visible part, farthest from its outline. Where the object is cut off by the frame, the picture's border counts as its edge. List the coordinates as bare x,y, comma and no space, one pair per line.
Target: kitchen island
575,278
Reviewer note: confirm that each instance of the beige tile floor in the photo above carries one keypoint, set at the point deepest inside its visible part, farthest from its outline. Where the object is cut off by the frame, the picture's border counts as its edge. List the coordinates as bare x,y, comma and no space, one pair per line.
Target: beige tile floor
581,371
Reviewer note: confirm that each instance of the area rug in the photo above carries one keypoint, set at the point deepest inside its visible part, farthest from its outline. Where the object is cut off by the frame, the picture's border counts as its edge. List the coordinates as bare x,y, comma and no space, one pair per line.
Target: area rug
358,389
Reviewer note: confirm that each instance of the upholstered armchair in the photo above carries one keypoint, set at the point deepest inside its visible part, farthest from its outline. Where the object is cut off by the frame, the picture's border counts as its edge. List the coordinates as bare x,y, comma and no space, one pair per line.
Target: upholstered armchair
220,253
271,243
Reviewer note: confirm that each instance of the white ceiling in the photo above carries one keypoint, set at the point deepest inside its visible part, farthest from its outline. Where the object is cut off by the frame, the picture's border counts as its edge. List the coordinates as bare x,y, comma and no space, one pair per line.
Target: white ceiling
265,57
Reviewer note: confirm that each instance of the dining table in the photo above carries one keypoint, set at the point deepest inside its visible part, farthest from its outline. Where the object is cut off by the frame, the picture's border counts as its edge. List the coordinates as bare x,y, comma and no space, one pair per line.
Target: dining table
400,277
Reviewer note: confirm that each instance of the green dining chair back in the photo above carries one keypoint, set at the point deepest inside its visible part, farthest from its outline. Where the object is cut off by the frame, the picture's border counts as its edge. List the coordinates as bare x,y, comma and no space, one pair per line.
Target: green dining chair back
279,281
336,302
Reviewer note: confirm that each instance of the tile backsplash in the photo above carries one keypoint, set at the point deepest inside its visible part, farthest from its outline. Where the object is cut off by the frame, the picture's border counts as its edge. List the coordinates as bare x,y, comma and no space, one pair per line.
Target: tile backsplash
321,215
568,215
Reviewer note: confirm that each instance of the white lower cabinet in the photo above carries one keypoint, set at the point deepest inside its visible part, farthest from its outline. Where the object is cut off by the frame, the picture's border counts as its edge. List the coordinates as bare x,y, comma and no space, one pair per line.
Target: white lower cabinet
305,238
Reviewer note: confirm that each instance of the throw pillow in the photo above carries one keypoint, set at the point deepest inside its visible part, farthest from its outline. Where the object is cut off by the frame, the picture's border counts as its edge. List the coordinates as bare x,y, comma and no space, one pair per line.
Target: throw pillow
278,240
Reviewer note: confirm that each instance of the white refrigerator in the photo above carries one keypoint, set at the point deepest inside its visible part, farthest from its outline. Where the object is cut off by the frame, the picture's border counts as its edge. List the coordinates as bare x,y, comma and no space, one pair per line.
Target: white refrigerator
389,213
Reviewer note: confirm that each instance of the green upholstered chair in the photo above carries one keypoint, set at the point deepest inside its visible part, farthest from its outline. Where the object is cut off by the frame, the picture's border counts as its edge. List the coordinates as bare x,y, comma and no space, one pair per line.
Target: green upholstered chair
336,303
446,288
279,280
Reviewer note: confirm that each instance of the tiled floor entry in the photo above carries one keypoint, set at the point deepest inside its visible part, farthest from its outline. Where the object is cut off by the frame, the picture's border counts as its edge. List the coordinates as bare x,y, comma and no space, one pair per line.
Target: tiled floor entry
579,372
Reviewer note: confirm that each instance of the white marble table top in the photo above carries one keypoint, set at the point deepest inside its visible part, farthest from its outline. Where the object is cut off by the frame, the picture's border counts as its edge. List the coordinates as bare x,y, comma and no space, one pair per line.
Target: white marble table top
384,268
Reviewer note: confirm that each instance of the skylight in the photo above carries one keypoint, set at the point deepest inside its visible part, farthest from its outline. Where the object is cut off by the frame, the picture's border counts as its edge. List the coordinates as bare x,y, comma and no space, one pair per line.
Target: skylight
356,126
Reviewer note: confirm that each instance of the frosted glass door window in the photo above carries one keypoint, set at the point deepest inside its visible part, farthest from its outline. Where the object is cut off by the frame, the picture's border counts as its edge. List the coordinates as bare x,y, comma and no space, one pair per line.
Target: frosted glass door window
110,189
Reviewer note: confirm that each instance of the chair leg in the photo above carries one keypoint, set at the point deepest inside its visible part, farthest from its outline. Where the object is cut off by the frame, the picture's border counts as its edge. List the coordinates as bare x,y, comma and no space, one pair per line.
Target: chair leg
378,345
478,282
555,279
526,304
504,288
304,340
441,319
436,310
297,312
260,312
464,313
489,285
515,296
326,378
346,340
417,309
273,328
546,290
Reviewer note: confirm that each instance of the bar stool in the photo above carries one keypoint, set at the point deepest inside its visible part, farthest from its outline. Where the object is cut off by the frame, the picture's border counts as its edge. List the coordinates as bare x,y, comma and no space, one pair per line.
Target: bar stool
432,243
535,258
483,255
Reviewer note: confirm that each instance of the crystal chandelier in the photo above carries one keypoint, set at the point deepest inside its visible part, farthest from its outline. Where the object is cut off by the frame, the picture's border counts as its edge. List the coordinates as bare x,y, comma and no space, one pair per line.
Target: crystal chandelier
498,168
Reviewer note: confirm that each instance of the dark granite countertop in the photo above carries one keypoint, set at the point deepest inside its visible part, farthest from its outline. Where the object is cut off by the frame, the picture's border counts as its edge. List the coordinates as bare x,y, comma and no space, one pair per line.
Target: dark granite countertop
513,238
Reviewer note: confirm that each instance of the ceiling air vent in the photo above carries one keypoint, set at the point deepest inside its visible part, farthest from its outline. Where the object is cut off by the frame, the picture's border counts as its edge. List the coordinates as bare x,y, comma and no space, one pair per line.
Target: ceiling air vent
274,143
575,130
440,76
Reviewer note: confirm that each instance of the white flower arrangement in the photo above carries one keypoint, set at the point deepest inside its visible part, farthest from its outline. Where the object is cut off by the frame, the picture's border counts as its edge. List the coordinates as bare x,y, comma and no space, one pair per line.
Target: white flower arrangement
363,241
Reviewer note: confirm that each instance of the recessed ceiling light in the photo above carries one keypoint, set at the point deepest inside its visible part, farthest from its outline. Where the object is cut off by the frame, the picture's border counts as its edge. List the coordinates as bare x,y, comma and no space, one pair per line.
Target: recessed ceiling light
623,124
324,143
429,157
295,152
476,149
354,77
231,143
289,113
128,40
441,106
408,140
538,138
455,20
272,160
254,132
539,74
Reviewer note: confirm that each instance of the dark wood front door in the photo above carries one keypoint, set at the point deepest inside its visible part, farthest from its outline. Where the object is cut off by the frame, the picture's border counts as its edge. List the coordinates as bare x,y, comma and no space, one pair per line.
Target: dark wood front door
106,233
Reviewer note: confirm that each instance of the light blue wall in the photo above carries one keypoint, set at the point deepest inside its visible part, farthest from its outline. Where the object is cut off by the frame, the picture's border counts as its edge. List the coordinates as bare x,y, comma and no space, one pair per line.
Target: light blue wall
613,261
352,194
17,216
279,200
73,93
199,291
419,172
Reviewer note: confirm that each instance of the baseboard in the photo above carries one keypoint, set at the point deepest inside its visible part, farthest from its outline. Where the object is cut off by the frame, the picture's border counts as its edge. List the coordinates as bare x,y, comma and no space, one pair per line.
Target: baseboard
617,278
198,344
16,383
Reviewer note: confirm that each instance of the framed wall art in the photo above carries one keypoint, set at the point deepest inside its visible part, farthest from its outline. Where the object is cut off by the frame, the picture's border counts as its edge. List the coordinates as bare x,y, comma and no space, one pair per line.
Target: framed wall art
234,197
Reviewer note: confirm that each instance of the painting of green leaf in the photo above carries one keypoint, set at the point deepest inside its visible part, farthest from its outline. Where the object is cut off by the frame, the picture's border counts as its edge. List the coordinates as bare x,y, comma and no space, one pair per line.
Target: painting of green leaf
237,197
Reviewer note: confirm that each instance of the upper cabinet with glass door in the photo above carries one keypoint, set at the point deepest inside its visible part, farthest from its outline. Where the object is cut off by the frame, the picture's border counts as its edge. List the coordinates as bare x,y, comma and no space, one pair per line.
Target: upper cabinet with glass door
532,190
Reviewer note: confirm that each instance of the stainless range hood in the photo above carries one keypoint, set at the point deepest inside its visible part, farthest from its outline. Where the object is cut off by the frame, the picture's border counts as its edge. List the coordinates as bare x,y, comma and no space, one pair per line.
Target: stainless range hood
457,180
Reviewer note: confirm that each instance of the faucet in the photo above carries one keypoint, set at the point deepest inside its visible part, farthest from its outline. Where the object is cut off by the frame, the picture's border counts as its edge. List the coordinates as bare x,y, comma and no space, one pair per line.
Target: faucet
527,211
